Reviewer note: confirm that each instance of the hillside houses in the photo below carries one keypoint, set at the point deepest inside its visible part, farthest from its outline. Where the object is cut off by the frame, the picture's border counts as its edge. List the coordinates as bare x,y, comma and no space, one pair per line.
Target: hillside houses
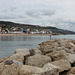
18,30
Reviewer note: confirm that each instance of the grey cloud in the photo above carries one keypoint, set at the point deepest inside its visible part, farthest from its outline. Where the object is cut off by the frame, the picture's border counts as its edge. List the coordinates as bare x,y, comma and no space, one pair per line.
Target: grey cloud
12,9
48,12
40,13
33,13
9,10
11,16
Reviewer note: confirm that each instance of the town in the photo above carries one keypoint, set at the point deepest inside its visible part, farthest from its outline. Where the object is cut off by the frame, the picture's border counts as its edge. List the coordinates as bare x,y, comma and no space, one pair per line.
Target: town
18,30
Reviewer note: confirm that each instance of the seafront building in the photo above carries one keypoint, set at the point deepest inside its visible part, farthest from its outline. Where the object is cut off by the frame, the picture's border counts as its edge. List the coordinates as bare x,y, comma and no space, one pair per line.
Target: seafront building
0,29
17,30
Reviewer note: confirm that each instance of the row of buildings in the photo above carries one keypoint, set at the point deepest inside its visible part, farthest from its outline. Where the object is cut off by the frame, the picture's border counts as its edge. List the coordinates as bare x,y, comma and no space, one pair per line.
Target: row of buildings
16,30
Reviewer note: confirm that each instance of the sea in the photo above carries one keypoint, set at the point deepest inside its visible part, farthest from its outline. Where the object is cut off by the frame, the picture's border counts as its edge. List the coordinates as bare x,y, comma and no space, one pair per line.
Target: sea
8,44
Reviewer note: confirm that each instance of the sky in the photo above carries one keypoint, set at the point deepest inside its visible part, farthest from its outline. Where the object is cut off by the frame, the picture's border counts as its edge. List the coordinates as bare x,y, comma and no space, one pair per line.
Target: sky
56,13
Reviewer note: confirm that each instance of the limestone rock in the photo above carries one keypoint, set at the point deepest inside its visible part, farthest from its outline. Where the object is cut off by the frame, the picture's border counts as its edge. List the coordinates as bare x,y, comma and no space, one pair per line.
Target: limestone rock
72,44
57,55
48,46
27,70
38,60
9,69
59,44
49,69
63,65
35,51
18,57
25,51
71,58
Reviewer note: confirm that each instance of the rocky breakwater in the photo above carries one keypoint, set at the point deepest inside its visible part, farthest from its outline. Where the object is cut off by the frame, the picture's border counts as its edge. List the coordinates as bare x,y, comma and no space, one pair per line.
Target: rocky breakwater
54,57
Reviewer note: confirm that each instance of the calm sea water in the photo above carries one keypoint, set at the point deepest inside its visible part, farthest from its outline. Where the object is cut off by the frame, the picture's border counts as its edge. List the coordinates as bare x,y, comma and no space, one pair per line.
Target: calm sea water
8,44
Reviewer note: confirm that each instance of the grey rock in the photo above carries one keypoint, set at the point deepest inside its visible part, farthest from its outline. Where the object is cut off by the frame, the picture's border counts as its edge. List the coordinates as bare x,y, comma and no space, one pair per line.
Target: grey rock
35,51
57,55
18,57
71,58
63,65
25,51
38,60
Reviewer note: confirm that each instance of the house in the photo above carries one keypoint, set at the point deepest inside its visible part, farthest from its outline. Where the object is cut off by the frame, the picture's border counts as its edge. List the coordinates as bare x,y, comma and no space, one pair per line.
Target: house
42,32
0,29
8,31
28,31
3,31
16,32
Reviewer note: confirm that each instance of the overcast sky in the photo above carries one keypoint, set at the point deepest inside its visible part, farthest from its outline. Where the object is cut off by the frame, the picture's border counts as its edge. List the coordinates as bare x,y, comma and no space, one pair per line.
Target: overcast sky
57,13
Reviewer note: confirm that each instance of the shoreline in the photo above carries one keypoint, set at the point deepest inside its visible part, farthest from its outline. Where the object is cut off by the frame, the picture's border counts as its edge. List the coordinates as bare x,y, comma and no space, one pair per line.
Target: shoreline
30,34
23,34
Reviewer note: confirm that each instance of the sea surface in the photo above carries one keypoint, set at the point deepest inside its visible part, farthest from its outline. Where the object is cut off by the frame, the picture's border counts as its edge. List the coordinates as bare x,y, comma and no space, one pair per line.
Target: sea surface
8,44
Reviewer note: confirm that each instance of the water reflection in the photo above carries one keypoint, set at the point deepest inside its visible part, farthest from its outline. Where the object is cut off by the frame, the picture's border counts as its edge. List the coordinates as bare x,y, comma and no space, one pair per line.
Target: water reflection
9,43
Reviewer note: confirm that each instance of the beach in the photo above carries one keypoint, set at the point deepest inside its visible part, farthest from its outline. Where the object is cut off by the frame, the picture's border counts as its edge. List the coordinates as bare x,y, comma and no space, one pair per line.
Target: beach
23,34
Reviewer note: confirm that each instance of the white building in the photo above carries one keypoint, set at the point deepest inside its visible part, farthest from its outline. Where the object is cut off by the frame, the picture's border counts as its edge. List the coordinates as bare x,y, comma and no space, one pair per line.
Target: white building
43,32
16,32
0,29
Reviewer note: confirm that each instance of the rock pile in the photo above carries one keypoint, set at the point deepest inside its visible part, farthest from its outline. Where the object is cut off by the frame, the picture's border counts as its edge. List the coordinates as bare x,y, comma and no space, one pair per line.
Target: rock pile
62,53
54,57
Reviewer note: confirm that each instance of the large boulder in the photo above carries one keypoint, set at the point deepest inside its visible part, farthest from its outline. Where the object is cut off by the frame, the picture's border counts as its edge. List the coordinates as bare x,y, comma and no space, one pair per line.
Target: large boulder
71,58
48,46
25,51
58,44
35,51
63,65
72,44
48,69
57,55
18,57
38,60
9,69
27,70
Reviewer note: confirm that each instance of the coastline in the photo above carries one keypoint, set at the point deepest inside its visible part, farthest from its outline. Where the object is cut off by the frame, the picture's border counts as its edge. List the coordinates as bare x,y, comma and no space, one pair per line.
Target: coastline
23,34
